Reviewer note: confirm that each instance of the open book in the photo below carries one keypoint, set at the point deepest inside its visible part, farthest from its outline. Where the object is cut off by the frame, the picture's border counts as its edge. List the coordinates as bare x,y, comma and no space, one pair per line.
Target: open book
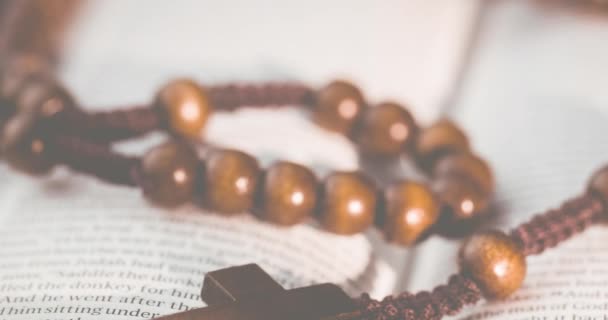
74,248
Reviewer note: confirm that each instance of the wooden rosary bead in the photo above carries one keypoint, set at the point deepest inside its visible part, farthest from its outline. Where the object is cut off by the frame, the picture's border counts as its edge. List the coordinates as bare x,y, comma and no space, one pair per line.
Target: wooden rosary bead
386,129
24,147
230,181
11,88
468,165
348,204
17,71
462,198
169,174
43,97
288,194
185,107
438,140
410,210
495,263
338,106
598,184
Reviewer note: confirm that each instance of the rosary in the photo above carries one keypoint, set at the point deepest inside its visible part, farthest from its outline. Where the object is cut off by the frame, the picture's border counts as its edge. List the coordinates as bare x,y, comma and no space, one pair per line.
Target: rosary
42,126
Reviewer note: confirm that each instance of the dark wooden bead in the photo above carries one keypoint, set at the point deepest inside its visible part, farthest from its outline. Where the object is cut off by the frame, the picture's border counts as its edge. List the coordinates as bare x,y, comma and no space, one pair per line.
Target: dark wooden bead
462,198
16,72
43,97
185,107
25,147
468,165
495,262
231,178
338,106
169,174
386,129
289,193
410,209
598,184
436,141
349,203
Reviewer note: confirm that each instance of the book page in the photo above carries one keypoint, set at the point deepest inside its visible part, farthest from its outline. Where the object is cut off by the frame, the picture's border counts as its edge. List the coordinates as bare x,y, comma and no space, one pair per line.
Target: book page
531,110
73,248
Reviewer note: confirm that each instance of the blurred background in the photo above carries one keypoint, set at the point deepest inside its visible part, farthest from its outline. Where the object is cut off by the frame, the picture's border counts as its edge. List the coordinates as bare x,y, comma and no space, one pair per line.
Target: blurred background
415,51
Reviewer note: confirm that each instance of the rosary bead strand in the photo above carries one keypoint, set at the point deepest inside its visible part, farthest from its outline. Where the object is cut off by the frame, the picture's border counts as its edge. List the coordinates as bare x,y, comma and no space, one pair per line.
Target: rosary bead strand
492,263
39,110
181,107
230,182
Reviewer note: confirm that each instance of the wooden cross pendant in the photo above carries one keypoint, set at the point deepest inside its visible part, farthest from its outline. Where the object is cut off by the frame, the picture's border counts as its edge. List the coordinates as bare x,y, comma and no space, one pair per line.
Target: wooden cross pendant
248,293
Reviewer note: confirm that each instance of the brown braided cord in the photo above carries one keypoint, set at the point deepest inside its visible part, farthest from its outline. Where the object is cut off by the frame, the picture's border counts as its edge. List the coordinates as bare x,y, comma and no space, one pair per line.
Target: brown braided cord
446,299
97,160
233,96
554,226
115,125
542,232
120,124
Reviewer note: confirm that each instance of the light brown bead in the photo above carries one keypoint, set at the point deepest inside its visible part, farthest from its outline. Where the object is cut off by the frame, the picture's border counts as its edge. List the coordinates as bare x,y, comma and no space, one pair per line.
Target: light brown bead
386,129
348,204
410,210
231,178
338,106
598,184
185,107
463,198
468,165
25,147
434,142
169,174
495,263
289,193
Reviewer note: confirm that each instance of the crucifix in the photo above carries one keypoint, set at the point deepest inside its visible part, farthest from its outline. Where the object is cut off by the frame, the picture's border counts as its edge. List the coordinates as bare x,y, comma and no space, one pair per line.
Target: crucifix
248,293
